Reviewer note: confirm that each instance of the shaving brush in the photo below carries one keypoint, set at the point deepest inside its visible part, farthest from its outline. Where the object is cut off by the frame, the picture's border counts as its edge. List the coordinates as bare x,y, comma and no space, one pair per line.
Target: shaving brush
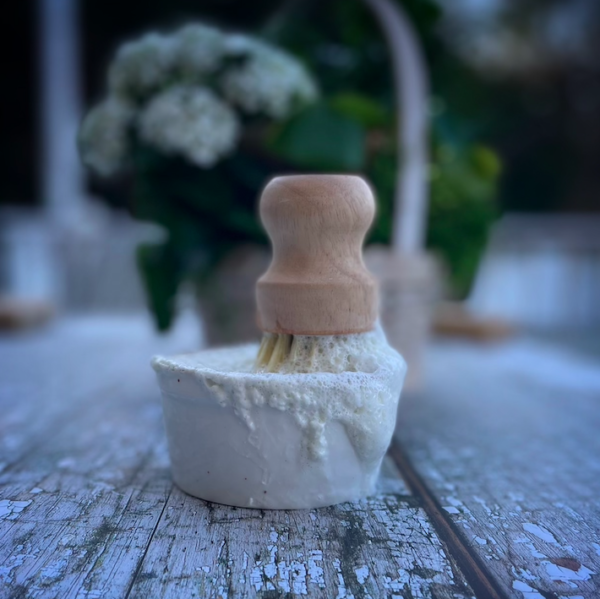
317,293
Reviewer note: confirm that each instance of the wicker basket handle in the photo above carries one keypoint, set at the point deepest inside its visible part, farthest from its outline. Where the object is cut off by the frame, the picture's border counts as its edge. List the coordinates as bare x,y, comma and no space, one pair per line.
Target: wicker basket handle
412,98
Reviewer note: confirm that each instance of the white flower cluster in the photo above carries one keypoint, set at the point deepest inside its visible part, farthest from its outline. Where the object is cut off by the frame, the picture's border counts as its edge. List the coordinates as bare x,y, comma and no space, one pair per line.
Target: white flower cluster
191,121
200,50
168,78
103,135
269,81
142,66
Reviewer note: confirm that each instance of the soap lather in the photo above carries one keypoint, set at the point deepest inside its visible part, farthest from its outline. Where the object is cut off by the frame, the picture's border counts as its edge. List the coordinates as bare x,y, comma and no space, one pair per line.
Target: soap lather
305,420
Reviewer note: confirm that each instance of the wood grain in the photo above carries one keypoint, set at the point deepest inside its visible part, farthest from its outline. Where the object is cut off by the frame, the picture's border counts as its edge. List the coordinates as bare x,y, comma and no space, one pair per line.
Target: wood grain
80,498
474,570
383,546
507,440
317,283
89,510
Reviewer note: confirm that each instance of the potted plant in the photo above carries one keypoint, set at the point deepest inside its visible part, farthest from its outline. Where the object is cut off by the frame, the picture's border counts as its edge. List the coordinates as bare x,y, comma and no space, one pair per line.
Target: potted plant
184,124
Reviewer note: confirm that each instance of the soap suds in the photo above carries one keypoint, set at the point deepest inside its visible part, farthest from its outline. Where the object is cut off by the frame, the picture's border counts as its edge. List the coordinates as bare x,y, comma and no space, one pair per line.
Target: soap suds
360,391
325,353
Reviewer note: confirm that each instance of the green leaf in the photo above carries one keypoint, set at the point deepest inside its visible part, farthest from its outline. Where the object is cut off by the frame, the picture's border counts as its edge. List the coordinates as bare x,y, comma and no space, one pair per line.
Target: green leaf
321,138
208,192
248,225
362,109
485,162
462,208
161,275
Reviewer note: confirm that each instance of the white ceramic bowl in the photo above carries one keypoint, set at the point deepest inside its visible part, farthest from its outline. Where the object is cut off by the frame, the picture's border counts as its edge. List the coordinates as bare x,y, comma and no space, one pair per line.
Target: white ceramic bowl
279,441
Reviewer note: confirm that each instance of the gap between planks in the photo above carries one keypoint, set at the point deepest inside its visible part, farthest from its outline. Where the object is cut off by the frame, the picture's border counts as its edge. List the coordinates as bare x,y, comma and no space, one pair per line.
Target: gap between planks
472,568
146,549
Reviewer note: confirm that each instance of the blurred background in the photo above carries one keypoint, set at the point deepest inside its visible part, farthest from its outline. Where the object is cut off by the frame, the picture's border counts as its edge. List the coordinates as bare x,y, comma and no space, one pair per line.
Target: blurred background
137,135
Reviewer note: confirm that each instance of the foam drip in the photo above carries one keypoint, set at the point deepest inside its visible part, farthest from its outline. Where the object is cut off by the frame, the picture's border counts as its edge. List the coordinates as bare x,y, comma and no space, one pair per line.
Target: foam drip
352,379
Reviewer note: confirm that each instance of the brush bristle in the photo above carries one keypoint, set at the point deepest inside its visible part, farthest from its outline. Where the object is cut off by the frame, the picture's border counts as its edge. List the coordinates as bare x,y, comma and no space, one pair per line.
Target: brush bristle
296,354
281,352
274,351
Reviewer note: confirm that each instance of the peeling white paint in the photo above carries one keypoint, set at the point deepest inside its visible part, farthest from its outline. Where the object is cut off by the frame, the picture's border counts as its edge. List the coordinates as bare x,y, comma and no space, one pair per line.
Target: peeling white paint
362,574
314,570
393,585
540,532
293,577
10,510
270,568
342,591
55,570
572,513
522,573
13,562
482,503
528,592
221,592
284,577
450,509
534,552
565,574
299,578
529,544
256,579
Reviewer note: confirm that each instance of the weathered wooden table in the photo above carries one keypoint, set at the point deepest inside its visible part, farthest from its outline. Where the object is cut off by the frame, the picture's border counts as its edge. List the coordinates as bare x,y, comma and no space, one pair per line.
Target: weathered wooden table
492,487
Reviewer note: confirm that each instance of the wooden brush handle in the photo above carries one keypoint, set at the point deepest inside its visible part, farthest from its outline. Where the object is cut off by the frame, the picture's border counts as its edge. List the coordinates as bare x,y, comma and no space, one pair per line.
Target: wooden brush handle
317,283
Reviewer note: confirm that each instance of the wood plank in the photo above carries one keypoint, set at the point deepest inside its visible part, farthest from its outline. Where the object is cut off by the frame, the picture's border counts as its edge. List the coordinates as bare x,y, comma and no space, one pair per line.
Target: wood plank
47,376
383,546
85,474
85,500
89,509
507,440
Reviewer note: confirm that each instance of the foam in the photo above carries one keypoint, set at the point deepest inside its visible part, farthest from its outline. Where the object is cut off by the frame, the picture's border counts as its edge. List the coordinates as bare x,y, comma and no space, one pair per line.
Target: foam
332,353
353,379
